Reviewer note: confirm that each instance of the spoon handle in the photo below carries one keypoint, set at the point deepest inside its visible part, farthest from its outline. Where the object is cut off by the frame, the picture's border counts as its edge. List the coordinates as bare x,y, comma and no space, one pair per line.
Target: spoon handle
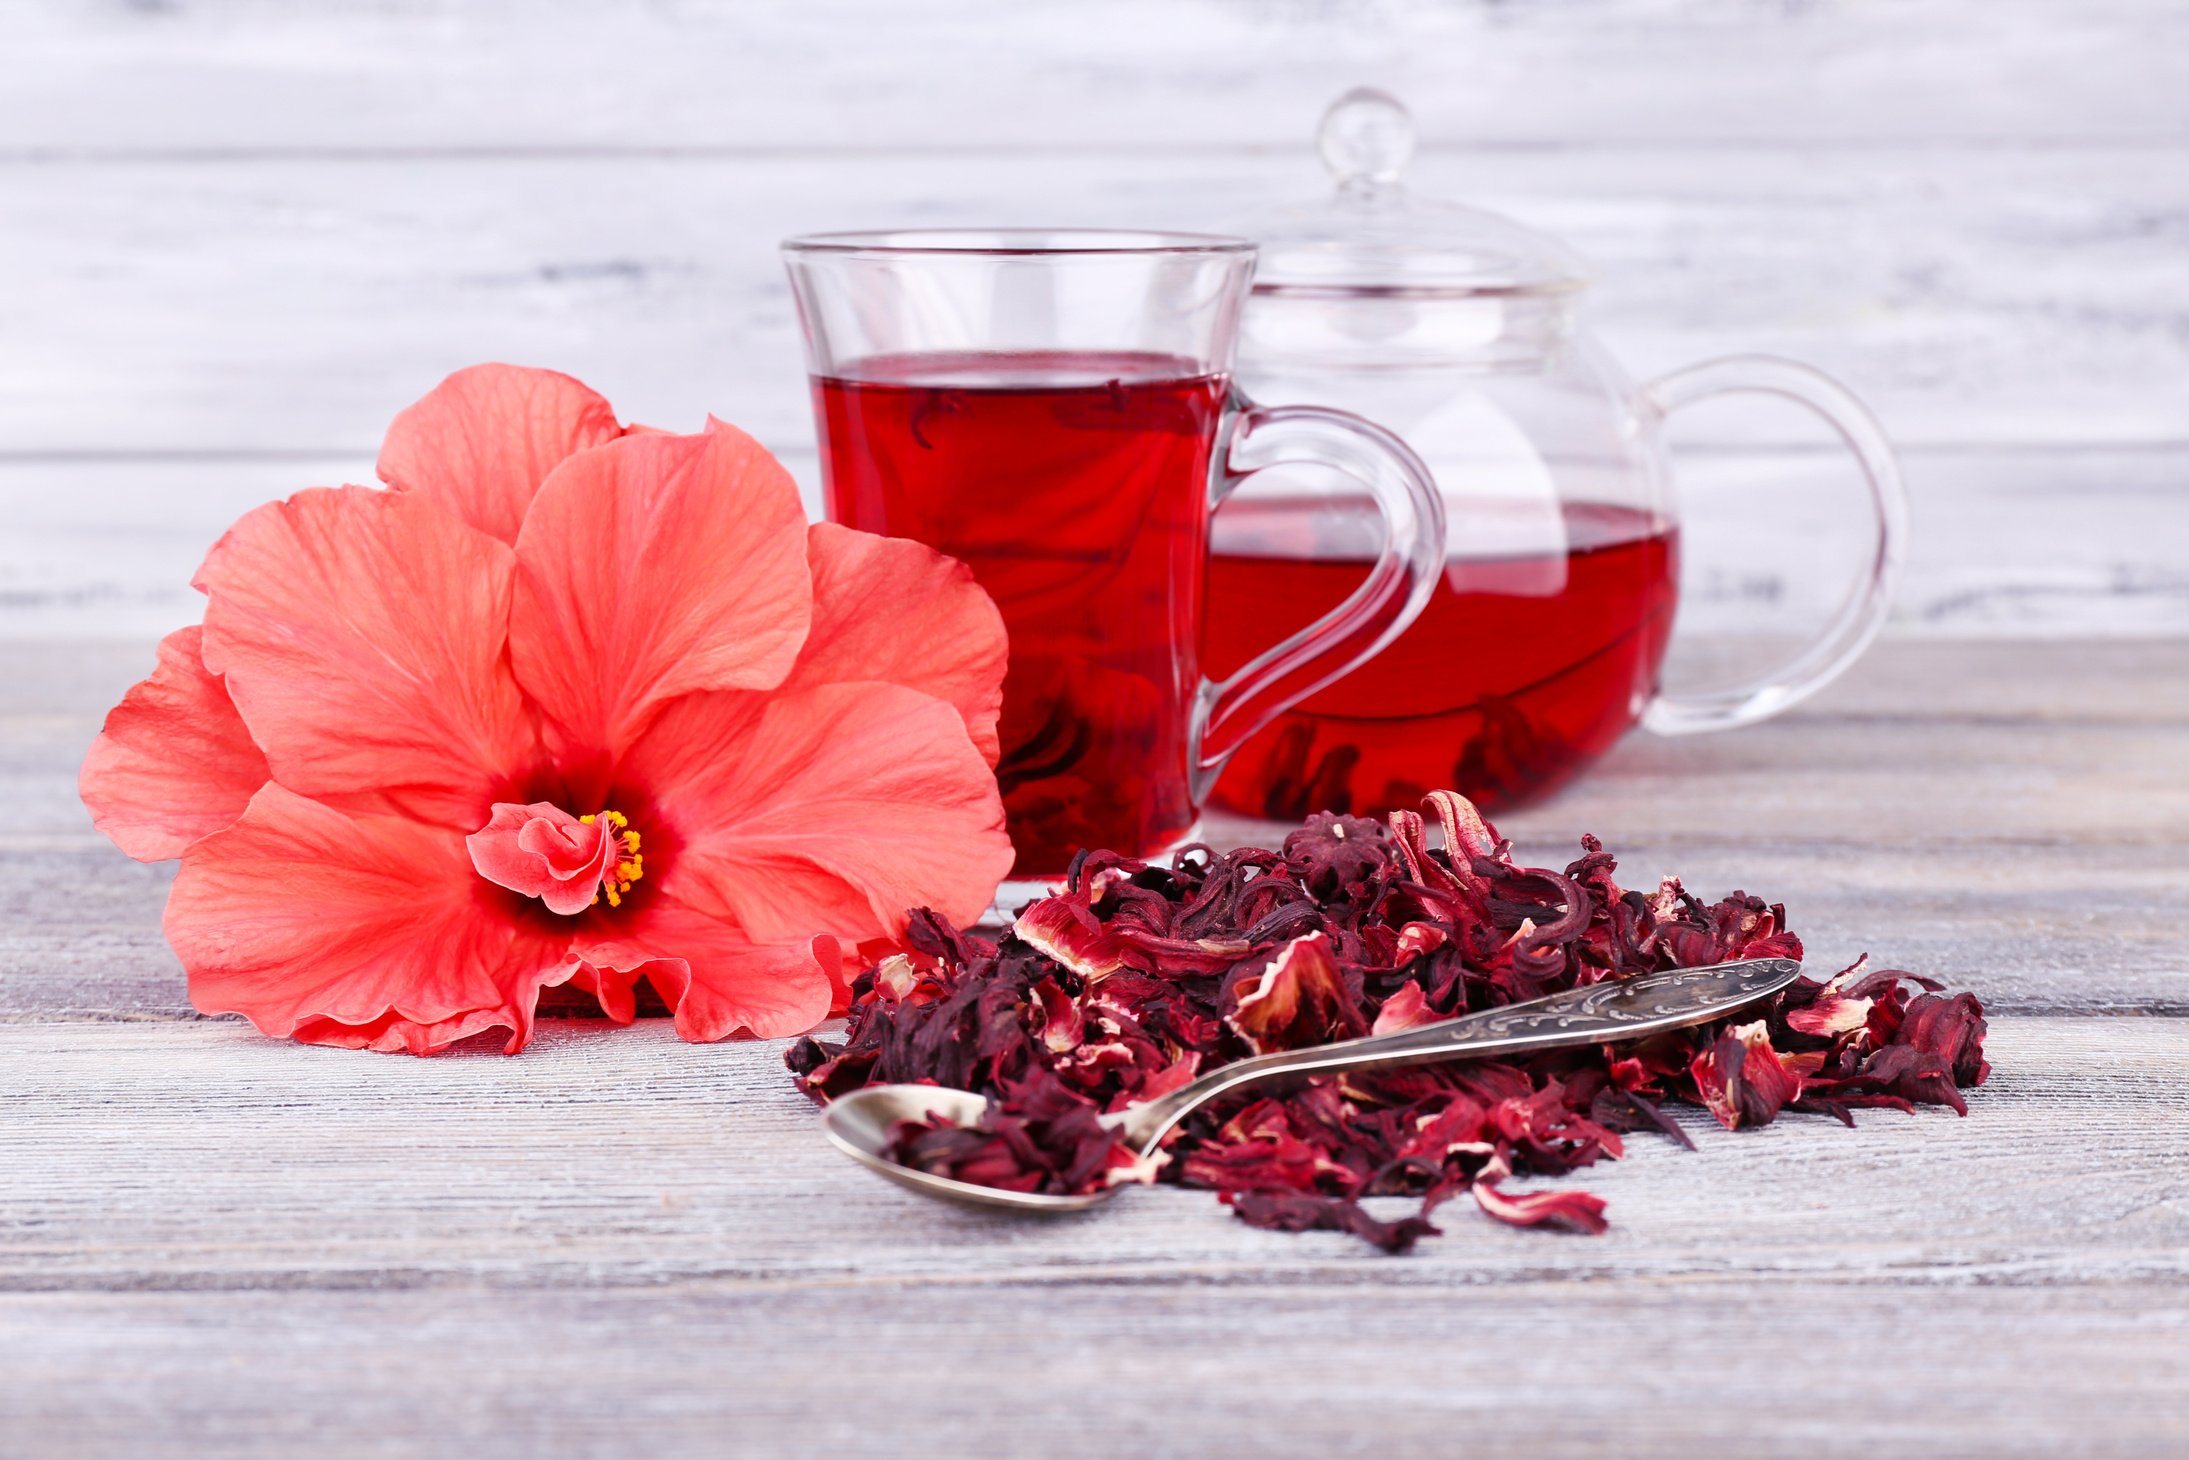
1600,1013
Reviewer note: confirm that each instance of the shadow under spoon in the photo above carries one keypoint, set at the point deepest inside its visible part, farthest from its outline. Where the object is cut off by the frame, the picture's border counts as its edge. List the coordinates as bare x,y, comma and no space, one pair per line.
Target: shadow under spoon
859,1123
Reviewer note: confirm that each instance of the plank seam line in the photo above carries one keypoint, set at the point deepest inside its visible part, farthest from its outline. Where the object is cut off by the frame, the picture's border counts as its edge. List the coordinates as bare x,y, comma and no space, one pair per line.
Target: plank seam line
984,147
315,455
1240,1277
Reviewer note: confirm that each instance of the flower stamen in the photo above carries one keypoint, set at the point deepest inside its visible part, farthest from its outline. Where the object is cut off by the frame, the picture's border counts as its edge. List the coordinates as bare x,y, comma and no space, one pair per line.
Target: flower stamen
629,866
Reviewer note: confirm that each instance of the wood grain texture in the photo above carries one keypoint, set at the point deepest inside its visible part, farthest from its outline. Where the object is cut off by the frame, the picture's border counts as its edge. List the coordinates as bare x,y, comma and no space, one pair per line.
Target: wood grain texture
212,1243
2010,816
620,1244
245,233
204,1157
1985,297
814,76
1160,1365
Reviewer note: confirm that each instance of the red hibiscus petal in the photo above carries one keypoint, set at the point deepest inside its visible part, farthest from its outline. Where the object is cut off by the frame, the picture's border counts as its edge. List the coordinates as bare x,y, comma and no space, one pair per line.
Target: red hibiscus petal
1953,1029
1299,997
393,1034
1295,1211
1057,1021
1831,1014
1913,1074
1408,1008
1066,930
614,990
1466,834
1576,1210
485,438
1742,1079
836,809
652,568
891,609
1416,939
362,635
174,762
368,931
718,981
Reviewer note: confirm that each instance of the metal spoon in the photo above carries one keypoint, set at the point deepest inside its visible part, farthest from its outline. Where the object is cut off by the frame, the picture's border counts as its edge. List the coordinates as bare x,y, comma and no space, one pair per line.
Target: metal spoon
858,1123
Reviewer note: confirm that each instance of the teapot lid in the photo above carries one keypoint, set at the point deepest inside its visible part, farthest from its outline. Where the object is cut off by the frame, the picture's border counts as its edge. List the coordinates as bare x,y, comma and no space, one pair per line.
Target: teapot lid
1375,235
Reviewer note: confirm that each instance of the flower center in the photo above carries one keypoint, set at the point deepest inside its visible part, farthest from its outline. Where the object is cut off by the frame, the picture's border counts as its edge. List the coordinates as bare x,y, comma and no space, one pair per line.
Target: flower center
570,863
628,865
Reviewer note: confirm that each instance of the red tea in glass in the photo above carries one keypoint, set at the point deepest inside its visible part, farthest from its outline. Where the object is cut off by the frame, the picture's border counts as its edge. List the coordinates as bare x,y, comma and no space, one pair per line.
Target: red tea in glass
1076,489
1055,409
1520,672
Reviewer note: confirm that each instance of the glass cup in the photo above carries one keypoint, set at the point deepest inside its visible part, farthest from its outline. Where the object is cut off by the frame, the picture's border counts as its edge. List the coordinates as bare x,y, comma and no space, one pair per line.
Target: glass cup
1055,409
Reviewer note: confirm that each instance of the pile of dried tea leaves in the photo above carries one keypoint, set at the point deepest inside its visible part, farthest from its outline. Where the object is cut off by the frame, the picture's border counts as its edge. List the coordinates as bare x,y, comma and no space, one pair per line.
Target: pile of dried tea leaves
1136,978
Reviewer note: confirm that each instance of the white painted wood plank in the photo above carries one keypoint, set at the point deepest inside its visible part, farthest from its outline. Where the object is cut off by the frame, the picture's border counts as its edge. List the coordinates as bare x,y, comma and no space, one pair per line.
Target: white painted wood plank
1163,1366
2083,543
820,74
204,1156
620,1244
2007,816
1989,298
2076,930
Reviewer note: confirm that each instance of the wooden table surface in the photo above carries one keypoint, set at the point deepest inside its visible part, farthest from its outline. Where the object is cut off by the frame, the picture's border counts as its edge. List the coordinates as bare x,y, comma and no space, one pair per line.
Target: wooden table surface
211,1243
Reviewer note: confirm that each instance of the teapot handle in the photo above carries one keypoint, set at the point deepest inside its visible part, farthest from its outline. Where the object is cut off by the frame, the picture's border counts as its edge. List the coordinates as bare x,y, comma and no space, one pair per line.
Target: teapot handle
1862,613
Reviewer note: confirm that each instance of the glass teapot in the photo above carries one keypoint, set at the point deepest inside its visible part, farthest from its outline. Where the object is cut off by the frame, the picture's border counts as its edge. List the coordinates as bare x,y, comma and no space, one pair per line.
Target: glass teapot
1542,645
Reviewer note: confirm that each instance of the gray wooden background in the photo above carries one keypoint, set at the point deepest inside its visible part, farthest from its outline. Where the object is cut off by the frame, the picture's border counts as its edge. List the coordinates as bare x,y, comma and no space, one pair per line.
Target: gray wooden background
237,235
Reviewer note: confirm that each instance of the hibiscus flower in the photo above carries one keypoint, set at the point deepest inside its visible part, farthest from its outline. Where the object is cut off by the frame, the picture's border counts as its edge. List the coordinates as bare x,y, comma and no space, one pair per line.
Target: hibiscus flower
565,704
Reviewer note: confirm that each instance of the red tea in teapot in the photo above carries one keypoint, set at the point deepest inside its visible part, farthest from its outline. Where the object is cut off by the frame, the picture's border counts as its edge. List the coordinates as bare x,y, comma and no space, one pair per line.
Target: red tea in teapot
1520,672
1075,486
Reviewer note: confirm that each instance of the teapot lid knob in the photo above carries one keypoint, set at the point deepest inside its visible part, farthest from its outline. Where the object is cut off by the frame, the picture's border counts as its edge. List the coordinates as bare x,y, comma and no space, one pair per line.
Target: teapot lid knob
1376,233
1366,137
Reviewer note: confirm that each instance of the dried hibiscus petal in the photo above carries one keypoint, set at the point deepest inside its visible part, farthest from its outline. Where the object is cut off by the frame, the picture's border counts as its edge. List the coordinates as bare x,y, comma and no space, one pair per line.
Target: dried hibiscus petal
1292,1211
1298,997
1037,1136
1407,1008
1742,1079
1575,1210
1135,977
1952,1029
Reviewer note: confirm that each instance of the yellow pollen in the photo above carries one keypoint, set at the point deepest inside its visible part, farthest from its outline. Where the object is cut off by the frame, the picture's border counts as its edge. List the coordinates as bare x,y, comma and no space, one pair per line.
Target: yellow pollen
630,866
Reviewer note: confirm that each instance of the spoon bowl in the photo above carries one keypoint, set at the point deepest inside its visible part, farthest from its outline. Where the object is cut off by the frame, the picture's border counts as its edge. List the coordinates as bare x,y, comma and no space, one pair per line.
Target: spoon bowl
858,1125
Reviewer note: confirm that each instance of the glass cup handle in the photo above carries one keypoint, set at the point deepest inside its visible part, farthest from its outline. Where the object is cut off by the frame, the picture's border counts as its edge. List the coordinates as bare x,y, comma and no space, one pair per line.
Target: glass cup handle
1862,613
1407,567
